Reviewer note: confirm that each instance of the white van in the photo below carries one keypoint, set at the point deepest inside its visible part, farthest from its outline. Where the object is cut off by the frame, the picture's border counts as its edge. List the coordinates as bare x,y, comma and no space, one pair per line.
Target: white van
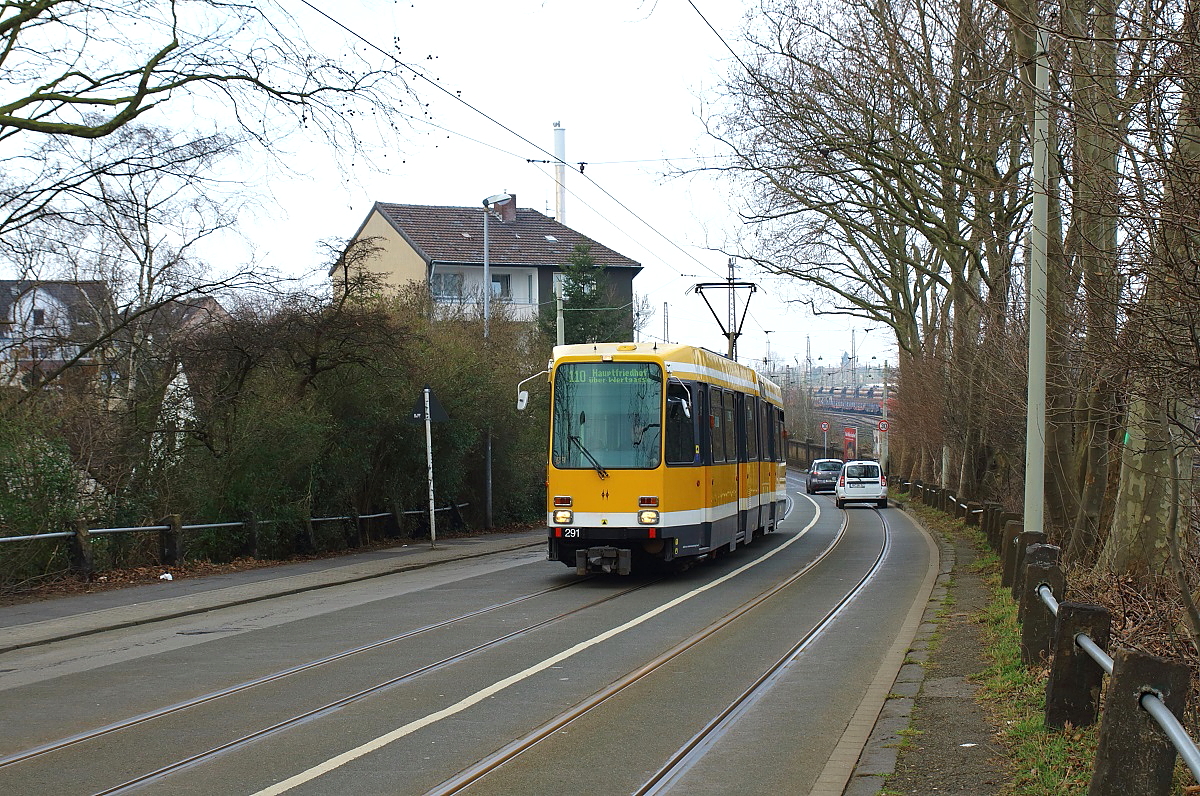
861,482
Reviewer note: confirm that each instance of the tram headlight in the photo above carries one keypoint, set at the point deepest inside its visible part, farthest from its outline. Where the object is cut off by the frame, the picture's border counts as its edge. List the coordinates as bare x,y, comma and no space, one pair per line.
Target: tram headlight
563,516
648,517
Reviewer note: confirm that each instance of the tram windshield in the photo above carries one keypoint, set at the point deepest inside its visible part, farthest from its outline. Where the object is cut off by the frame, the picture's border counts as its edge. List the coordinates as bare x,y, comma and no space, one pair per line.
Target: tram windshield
607,415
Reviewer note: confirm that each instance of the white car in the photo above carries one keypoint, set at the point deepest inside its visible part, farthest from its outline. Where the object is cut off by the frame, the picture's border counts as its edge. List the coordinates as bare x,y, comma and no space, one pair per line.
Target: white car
861,481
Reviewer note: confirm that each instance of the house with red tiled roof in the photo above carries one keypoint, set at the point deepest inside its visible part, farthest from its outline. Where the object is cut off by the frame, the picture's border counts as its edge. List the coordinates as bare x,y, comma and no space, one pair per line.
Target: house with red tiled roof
442,247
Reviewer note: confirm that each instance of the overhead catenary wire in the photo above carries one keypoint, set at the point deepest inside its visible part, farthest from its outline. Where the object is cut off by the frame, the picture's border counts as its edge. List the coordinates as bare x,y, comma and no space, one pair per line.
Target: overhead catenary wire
552,158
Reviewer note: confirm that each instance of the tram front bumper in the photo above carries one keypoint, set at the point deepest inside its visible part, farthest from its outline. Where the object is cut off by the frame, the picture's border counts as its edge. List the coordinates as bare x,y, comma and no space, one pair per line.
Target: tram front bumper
603,559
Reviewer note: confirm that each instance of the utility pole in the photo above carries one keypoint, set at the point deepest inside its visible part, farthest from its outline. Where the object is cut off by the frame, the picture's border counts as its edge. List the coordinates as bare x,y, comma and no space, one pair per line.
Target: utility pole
1035,416
733,313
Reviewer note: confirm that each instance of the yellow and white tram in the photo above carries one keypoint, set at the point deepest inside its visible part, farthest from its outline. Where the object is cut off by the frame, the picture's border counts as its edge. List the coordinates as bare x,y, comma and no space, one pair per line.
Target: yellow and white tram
659,454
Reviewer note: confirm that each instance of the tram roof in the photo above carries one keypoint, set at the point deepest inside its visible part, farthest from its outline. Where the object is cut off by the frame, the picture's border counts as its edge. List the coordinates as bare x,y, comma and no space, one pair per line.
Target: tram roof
686,360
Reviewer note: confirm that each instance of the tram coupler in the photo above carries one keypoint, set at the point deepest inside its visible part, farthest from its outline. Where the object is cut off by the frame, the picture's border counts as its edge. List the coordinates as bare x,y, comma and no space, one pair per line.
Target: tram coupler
603,559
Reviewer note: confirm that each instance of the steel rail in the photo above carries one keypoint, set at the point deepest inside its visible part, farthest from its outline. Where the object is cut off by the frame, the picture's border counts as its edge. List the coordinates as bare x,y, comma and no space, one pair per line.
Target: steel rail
482,768
88,735
692,752
338,704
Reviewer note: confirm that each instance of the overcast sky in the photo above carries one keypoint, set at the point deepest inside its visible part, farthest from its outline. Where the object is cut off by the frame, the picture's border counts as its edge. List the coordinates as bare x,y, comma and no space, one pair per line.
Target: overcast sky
628,80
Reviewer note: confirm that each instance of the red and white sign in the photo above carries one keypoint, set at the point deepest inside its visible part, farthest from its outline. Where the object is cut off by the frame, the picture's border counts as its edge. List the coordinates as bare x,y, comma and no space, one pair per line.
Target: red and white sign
850,443
824,426
884,425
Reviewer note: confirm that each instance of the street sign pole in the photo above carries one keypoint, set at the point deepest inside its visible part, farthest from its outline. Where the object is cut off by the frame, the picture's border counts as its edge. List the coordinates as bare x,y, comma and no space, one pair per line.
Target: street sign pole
429,467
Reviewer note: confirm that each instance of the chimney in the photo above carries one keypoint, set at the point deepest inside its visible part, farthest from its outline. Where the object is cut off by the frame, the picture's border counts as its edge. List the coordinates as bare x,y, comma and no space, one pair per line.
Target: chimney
508,210
560,173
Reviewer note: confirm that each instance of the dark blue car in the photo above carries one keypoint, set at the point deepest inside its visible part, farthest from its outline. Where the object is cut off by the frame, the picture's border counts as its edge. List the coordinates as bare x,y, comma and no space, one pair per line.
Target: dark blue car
823,475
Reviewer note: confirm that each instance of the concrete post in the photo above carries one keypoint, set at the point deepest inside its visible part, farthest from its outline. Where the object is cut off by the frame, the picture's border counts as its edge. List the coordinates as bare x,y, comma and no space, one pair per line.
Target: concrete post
1036,553
1073,688
1027,539
1012,530
1037,621
81,550
1134,756
169,540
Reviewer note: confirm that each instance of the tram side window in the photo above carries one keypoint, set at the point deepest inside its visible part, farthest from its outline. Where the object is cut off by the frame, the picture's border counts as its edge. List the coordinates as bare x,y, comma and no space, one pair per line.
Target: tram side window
768,431
717,422
780,449
730,419
751,428
681,445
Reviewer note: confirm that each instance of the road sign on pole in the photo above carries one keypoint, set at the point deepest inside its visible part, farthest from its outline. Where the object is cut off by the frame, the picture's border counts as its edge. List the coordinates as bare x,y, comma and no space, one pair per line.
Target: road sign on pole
427,410
884,425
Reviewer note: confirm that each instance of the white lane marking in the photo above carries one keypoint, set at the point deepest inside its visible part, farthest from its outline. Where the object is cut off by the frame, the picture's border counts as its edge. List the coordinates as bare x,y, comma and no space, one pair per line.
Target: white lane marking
383,740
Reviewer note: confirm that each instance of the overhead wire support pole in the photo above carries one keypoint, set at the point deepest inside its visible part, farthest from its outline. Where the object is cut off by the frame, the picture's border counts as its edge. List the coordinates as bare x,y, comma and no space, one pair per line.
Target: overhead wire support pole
734,329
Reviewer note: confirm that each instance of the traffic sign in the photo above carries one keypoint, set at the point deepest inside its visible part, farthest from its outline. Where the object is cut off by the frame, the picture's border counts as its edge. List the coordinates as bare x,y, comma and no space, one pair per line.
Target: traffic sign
436,413
884,425
824,426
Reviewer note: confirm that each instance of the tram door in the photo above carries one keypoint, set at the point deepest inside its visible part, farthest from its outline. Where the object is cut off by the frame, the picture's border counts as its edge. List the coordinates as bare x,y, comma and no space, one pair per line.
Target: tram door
749,466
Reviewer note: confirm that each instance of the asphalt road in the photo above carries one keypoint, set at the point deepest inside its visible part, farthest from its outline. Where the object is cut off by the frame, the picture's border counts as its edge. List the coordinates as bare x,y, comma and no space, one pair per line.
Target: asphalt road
391,674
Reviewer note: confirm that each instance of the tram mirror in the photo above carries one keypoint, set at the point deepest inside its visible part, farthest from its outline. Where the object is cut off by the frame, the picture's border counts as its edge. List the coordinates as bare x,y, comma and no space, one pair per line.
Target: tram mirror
582,418
522,400
680,405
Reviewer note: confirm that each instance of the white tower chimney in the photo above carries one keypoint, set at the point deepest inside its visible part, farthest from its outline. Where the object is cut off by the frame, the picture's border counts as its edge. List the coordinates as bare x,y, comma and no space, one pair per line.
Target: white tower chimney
560,173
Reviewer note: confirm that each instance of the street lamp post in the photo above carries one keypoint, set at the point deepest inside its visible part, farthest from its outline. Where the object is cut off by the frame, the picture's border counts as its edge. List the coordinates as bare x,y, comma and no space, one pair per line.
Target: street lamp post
492,201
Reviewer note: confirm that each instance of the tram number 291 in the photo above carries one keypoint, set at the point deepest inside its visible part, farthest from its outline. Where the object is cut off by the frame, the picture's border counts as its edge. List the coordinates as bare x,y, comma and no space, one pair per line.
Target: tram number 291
571,533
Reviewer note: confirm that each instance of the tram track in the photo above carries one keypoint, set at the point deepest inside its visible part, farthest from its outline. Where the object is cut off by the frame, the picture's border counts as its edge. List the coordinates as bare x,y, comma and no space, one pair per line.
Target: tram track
216,749
693,750
274,677
688,755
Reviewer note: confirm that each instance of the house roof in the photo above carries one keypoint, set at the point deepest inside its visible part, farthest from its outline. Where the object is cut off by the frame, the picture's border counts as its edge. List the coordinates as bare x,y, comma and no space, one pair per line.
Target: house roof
455,235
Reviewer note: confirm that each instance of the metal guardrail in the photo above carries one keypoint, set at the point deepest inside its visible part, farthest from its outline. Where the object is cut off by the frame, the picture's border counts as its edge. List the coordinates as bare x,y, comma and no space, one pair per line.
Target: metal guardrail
215,525
1144,692
56,535
1151,702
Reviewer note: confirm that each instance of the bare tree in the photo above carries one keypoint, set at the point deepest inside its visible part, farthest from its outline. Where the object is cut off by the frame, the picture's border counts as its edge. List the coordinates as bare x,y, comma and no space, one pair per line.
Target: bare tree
881,150
88,69
83,70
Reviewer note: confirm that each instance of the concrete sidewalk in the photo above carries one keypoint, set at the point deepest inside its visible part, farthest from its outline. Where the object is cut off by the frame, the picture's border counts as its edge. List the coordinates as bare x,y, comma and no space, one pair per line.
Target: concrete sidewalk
46,621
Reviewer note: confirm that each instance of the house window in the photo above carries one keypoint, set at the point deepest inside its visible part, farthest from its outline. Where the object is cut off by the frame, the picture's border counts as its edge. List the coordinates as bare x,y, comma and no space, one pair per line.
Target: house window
446,287
502,287
39,317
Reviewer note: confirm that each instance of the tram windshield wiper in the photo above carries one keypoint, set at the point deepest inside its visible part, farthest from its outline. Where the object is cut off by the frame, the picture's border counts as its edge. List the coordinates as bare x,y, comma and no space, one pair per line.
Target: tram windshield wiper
599,469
